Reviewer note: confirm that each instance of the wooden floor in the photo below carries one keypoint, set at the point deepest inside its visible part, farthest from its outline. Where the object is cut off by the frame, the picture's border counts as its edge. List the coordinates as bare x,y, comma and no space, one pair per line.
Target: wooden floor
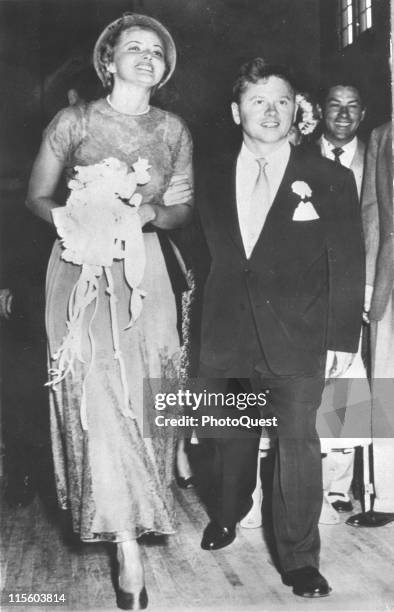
38,557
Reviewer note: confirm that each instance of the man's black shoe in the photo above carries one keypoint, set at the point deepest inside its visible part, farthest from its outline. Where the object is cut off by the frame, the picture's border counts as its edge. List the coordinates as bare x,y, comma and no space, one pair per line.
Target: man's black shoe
341,505
307,582
215,536
371,519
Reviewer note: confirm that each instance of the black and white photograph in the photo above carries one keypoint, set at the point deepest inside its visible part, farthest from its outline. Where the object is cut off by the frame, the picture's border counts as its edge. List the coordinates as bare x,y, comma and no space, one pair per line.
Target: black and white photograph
196,305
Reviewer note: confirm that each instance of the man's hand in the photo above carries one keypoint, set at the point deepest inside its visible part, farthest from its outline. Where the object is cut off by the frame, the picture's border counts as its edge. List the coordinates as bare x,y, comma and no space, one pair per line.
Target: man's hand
337,363
367,302
6,298
179,191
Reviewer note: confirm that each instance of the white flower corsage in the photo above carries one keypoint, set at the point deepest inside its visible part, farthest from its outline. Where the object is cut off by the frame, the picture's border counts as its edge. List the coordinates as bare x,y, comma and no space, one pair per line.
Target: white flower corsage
311,114
305,210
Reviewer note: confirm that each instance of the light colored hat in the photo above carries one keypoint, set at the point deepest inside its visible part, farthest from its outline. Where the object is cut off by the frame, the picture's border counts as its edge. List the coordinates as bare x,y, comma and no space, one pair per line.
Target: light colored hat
143,21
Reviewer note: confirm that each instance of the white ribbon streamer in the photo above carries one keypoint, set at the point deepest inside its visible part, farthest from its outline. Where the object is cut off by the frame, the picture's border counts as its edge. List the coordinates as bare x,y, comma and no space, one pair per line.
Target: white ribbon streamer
99,225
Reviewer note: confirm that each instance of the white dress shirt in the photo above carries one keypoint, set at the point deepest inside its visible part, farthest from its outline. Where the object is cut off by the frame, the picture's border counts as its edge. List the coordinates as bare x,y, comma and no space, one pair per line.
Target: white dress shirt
246,176
349,151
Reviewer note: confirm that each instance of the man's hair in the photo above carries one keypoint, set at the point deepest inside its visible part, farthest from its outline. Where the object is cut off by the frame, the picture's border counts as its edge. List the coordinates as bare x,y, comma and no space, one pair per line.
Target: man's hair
341,82
256,70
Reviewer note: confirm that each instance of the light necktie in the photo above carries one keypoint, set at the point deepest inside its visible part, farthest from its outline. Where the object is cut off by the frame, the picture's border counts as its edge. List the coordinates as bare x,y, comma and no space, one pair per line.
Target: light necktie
337,152
259,204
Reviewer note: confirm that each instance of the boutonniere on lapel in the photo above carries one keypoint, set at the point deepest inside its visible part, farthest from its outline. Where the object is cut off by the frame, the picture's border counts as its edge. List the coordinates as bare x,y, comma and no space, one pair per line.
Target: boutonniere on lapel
305,210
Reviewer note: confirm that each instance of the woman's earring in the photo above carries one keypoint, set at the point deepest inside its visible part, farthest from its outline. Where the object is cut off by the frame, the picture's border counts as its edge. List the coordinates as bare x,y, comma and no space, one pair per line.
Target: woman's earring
111,68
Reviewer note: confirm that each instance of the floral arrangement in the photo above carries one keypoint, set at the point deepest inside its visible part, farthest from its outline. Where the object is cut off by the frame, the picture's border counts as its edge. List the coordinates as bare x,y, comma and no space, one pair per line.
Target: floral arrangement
311,114
99,225
301,189
95,220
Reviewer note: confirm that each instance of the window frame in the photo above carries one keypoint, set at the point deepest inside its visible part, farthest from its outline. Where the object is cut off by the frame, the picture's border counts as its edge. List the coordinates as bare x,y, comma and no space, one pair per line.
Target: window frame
353,18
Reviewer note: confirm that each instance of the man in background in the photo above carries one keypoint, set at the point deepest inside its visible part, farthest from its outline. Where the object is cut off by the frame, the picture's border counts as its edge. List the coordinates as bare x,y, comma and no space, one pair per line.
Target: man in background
343,111
377,216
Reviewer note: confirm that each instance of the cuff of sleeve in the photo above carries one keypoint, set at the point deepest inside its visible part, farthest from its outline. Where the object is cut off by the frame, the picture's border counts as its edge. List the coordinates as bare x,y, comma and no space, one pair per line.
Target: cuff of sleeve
368,297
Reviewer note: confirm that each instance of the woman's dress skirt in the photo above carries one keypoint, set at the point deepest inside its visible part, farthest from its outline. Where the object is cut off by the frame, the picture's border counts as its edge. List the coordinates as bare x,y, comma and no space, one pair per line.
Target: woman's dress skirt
115,476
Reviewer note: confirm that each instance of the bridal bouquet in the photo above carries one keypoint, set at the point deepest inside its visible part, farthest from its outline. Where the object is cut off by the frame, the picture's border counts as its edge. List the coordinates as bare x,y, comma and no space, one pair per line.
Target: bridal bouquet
100,212
99,225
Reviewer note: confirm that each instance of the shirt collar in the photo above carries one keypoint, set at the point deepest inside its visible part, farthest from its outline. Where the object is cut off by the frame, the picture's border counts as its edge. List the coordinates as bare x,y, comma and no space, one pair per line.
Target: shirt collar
349,148
279,155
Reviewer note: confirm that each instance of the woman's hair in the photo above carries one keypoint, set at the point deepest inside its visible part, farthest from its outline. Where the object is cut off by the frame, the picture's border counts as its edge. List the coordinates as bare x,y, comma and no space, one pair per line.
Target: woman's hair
104,51
256,70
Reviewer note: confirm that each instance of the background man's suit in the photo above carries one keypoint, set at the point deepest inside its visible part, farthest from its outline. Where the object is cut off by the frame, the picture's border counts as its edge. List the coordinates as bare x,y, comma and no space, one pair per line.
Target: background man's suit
377,214
271,318
357,165
338,465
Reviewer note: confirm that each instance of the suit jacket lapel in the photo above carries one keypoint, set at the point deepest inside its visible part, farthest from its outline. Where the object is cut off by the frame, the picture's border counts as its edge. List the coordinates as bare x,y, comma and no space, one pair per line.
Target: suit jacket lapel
282,206
357,165
284,202
227,201
285,196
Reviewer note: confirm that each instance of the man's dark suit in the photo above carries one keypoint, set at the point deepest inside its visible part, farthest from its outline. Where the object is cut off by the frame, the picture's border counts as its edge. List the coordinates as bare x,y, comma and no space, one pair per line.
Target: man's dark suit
271,318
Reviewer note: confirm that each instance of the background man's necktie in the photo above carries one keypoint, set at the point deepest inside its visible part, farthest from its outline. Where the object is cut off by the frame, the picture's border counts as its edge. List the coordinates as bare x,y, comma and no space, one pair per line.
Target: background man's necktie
259,204
337,152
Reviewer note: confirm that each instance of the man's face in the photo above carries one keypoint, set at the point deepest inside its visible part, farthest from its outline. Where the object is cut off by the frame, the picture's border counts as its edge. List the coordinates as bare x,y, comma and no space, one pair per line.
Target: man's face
266,112
343,113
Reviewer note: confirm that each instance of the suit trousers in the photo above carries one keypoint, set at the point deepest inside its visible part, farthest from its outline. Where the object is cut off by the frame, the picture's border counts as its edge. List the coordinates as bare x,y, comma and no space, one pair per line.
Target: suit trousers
382,344
297,479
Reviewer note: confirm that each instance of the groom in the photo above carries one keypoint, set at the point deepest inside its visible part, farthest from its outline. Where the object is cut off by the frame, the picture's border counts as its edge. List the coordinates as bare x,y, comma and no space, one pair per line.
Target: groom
282,305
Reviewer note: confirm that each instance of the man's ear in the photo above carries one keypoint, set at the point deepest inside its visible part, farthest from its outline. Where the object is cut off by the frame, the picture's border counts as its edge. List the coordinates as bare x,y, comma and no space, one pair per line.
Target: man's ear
235,113
296,107
363,114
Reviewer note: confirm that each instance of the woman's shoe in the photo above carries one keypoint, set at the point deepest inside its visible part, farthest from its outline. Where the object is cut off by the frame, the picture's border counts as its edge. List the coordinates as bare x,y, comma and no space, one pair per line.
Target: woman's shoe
131,576
182,466
328,515
253,519
132,601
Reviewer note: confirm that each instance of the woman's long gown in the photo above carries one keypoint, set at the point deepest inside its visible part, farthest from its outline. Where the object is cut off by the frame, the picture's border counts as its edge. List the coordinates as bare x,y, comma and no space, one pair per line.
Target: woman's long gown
115,479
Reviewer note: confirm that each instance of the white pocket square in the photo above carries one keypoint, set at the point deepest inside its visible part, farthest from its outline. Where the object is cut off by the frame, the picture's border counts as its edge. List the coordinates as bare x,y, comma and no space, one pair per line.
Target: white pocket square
305,211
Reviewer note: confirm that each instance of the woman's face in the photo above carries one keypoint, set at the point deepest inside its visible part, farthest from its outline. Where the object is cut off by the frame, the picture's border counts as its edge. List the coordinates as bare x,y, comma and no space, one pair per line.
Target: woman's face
138,58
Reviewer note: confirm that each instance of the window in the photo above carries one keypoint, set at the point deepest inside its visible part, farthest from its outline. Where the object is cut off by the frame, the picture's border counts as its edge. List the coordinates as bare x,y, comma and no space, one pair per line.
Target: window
353,18
364,15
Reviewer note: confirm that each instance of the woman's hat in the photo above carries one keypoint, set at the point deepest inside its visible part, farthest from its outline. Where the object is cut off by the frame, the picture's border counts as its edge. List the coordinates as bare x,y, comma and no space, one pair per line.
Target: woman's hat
130,20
